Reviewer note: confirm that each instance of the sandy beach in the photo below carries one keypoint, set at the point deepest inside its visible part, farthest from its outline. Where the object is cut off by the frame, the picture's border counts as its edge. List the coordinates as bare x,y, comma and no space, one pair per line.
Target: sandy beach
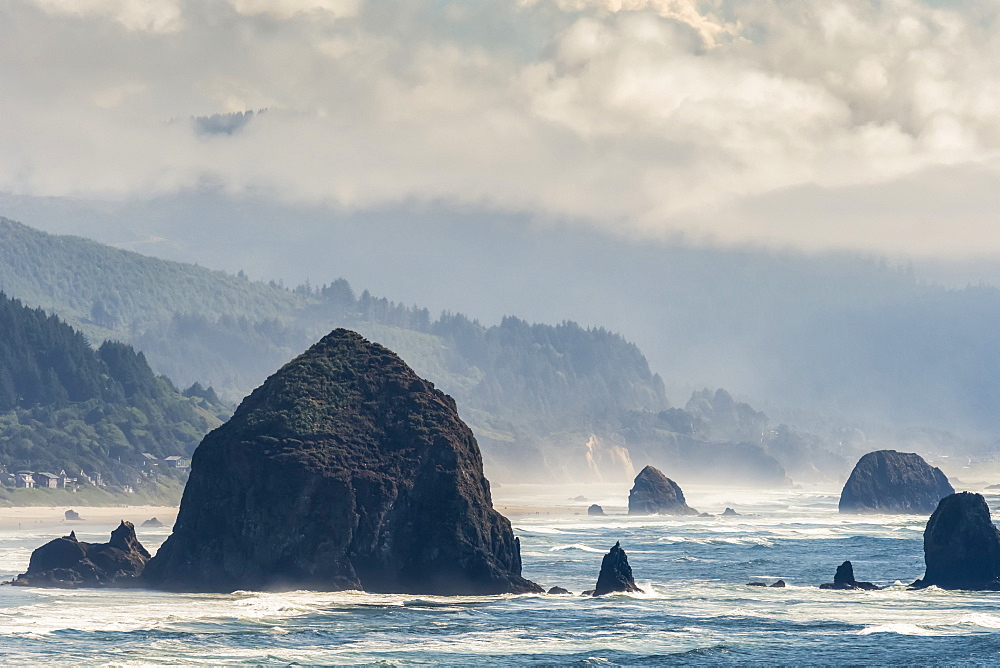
37,517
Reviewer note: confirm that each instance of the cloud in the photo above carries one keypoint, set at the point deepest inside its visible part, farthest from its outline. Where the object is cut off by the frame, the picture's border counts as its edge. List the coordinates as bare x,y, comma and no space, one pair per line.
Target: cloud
717,120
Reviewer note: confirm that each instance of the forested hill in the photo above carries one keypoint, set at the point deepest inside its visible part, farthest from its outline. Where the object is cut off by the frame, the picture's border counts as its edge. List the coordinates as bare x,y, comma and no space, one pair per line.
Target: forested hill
514,381
104,290
66,406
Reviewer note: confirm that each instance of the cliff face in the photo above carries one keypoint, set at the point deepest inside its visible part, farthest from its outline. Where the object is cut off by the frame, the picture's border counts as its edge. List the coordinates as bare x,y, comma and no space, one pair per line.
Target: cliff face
887,481
344,470
654,493
961,545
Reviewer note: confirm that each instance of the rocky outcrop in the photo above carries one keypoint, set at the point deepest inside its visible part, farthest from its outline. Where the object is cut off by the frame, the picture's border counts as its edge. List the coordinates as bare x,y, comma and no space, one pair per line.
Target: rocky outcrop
67,562
844,579
778,584
887,481
616,574
73,516
729,512
152,523
595,510
961,545
344,470
655,493
559,591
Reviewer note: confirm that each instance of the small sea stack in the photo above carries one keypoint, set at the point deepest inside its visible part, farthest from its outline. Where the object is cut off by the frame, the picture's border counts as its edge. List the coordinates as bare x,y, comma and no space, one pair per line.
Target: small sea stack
616,574
887,481
778,584
559,591
961,545
844,579
595,510
69,563
344,470
152,523
729,512
72,516
654,493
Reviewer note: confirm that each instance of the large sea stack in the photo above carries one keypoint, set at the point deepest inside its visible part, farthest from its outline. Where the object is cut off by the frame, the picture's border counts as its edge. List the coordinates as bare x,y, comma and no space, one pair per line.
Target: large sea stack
67,562
344,470
961,545
654,493
887,481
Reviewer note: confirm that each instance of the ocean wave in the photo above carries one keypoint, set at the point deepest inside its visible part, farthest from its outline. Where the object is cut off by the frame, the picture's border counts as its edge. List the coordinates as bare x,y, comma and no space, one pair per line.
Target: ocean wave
576,546
900,629
746,540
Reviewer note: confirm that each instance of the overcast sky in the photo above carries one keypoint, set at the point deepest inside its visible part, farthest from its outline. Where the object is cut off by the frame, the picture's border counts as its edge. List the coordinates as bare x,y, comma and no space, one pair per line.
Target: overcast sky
804,124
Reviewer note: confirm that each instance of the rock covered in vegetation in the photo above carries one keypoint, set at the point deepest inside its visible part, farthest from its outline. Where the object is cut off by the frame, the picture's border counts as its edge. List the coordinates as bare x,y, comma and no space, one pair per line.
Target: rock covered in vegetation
152,523
655,493
344,470
961,545
616,574
887,481
595,510
844,579
69,563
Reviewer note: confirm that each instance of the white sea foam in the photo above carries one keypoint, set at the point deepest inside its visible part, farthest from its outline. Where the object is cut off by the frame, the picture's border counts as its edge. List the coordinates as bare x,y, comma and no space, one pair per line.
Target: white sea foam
900,629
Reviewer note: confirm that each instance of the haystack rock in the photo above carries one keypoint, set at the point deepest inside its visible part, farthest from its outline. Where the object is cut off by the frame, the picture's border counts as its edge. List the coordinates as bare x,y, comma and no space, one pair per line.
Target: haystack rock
844,579
655,493
616,574
961,545
595,510
344,470
69,563
72,516
152,523
887,481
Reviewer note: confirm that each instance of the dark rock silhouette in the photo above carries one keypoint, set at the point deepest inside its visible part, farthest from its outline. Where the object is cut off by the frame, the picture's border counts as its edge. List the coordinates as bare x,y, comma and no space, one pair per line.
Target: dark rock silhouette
152,523
595,510
887,481
616,574
655,493
779,583
844,579
73,516
69,563
559,590
961,545
729,512
706,515
344,470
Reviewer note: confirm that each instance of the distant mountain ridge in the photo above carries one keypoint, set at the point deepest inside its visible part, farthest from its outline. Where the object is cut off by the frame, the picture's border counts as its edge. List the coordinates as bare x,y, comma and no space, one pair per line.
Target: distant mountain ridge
545,401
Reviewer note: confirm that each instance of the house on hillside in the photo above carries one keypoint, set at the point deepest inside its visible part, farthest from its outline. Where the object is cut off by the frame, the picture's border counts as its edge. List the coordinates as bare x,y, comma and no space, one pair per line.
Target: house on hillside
25,479
176,462
48,480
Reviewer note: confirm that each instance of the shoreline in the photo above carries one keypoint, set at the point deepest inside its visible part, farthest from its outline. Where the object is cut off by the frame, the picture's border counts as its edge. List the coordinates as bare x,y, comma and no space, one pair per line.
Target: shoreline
36,517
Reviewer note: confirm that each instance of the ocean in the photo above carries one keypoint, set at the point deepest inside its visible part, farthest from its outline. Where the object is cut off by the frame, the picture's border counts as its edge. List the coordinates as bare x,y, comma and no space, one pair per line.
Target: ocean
695,608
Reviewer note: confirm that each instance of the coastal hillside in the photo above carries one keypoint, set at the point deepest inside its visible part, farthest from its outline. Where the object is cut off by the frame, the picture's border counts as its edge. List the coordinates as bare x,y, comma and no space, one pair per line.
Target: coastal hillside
545,401
90,417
